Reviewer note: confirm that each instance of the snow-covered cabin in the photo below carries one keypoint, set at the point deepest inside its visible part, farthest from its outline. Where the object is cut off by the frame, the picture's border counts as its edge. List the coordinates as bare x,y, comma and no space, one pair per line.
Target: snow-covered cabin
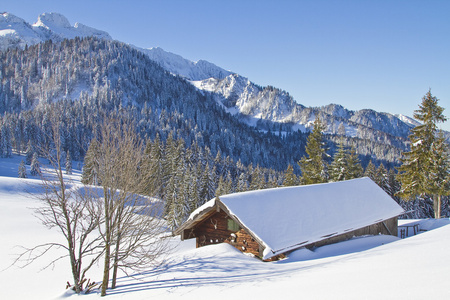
272,222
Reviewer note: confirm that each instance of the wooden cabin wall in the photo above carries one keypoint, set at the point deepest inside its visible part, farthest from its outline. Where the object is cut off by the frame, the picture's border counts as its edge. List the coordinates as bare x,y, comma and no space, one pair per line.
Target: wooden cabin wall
214,230
374,229
245,243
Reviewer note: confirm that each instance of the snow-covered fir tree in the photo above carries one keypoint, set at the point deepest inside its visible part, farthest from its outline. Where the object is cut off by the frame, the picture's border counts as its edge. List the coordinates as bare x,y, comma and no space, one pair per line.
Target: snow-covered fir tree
22,172
242,184
91,165
381,178
5,141
314,167
338,168
416,174
290,179
68,164
354,167
371,171
29,153
35,168
440,172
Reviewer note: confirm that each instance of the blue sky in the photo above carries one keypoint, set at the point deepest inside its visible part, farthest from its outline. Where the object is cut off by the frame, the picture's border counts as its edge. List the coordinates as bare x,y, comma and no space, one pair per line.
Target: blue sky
382,55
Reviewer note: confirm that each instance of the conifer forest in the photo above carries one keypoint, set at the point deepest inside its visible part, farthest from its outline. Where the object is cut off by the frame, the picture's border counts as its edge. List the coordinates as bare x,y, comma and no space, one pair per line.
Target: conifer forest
193,150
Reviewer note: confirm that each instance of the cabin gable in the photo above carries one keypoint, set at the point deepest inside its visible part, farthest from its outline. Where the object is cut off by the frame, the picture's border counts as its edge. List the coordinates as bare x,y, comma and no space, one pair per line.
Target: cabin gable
218,227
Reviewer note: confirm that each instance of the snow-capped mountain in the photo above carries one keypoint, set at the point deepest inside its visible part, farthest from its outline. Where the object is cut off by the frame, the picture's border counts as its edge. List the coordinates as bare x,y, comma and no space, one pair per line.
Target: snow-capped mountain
253,103
249,102
16,32
190,70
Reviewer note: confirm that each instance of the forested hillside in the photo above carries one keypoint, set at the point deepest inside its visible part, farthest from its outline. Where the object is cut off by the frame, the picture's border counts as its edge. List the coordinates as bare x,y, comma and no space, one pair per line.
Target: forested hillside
95,77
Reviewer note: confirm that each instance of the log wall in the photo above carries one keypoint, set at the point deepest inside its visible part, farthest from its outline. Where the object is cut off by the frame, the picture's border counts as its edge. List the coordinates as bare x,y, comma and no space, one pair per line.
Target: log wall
214,230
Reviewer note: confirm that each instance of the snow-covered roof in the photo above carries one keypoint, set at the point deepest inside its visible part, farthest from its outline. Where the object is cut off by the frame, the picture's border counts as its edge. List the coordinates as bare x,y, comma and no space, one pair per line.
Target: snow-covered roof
287,218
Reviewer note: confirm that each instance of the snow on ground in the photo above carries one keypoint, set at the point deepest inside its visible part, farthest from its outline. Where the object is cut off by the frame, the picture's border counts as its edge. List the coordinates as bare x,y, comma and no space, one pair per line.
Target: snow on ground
376,267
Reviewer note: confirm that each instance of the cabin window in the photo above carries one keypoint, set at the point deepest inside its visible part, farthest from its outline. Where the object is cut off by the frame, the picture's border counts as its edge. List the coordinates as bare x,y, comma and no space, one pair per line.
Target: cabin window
232,225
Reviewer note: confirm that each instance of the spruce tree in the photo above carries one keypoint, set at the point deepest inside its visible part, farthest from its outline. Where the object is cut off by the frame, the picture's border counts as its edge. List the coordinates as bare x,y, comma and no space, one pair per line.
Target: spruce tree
35,168
440,172
290,179
152,183
29,153
91,165
68,163
338,167
22,170
393,184
258,181
314,167
416,174
346,164
381,178
242,184
370,171
221,187
354,168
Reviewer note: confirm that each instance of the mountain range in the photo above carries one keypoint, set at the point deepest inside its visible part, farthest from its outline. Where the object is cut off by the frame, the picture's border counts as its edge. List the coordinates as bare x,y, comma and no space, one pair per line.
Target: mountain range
265,108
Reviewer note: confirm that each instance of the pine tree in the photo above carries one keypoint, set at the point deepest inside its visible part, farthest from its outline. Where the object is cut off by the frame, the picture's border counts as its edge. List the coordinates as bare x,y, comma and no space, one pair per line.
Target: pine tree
338,167
29,153
370,171
22,170
258,181
290,179
5,143
346,164
416,172
91,165
314,167
242,184
221,187
35,167
394,185
152,183
354,168
440,172
381,178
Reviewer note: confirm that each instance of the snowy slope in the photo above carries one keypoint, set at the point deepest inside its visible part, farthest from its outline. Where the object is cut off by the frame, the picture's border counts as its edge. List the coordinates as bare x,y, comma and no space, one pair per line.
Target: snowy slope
379,267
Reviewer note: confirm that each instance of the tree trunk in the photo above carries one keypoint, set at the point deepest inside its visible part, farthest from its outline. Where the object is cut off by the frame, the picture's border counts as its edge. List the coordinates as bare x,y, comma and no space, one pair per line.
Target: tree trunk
106,270
108,229
115,266
75,272
437,206
116,263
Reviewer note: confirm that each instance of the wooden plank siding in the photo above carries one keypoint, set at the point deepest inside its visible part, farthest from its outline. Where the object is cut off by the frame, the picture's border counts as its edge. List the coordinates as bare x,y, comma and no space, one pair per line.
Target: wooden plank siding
388,228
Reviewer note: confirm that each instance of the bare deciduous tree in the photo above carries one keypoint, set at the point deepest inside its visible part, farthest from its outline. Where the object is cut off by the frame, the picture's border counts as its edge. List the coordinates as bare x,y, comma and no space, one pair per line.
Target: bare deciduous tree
110,221
70,210
132,230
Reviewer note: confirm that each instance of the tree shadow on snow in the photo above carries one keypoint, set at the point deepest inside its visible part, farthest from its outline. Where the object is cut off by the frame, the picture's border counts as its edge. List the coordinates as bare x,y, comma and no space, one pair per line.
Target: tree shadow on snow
198,272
